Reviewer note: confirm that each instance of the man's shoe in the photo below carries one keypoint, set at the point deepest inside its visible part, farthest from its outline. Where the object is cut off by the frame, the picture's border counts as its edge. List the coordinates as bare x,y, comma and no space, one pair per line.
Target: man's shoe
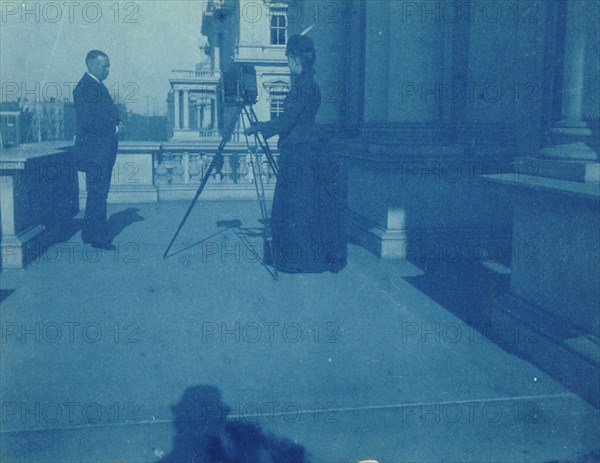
105,246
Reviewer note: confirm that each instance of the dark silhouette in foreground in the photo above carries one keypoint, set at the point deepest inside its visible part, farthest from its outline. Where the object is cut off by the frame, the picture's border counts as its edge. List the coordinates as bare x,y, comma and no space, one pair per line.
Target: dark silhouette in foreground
205,434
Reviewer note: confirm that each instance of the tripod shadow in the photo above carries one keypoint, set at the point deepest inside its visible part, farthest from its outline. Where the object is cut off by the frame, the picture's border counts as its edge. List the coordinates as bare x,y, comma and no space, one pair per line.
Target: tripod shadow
236,227
244,235
228,224
119,221
204,433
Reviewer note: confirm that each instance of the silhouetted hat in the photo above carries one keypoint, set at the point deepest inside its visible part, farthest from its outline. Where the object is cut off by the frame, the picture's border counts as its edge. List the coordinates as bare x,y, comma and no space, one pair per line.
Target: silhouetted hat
300,45
200,403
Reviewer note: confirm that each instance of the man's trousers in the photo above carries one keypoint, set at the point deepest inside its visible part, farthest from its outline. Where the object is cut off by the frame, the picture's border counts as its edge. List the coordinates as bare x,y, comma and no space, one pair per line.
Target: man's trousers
97,179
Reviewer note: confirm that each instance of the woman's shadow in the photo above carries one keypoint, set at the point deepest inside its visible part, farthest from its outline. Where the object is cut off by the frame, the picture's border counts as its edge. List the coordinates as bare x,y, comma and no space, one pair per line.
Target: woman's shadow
205,434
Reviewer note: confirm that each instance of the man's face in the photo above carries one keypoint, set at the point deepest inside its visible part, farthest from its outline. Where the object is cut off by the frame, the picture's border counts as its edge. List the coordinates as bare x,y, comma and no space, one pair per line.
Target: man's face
99,67
295,65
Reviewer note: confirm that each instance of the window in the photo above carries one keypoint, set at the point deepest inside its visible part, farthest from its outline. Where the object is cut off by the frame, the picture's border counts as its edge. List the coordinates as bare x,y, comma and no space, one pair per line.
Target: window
278,25
277,90
277,97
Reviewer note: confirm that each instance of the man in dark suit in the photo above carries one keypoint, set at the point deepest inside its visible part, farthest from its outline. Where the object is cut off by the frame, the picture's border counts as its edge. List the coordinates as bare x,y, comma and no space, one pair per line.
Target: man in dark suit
96,144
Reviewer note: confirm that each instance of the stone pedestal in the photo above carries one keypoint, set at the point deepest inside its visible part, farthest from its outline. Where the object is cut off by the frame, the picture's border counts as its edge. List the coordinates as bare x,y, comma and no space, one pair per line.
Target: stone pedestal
38,197
555,288
555,293
17,242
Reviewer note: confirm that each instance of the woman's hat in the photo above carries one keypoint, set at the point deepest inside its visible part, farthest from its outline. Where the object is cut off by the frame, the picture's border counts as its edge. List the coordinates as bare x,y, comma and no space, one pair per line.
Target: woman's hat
300,45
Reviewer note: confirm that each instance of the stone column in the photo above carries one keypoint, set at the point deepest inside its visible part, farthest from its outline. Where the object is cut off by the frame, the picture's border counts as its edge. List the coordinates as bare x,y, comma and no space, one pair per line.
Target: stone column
572,92
176,114
355,75
214,113
206,118
415,56
186,110
217,52
377,65
404,62
328,34
571,134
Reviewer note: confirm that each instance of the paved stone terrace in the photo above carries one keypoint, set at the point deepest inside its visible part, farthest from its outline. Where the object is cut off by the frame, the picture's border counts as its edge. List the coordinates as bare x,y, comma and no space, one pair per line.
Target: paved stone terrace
375,362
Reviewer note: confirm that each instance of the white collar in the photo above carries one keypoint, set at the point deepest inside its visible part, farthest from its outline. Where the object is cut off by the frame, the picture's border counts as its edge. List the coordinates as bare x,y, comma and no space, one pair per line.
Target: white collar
94,77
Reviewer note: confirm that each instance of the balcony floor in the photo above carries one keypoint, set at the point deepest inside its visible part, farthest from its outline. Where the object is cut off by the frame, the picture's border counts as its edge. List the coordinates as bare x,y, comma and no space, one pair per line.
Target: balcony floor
98,347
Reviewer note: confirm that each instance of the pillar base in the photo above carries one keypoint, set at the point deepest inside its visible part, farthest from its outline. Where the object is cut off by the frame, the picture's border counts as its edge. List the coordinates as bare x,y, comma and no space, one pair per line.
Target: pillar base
383,242
562,169
570,151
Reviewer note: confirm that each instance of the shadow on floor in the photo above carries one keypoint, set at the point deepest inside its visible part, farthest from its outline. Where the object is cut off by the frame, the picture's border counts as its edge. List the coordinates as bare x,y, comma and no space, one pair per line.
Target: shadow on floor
4,293
467,290
119,221
593,457
224,225
55,233
205,434
63,231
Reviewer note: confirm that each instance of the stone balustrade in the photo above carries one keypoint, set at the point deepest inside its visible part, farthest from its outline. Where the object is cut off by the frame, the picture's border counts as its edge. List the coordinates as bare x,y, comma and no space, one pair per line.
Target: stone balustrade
41,188
150,172
195,74
179,169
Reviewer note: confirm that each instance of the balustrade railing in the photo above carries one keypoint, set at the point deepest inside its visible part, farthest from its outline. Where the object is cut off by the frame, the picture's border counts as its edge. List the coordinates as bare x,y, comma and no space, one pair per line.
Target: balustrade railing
188,167
208,133
197,74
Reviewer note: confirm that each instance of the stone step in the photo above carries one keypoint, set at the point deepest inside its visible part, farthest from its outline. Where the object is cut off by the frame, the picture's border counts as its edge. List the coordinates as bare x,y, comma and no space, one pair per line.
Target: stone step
573,170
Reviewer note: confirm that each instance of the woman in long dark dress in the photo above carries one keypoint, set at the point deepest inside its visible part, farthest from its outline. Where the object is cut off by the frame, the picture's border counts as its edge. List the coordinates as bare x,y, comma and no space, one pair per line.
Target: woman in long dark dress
307,217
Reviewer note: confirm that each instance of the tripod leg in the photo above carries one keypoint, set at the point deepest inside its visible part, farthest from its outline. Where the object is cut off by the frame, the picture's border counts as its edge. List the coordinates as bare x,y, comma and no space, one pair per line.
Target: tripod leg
268,252
264,145
216,160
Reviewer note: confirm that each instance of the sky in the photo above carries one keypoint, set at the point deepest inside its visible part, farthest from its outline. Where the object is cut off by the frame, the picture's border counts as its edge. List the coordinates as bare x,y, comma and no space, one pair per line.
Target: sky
43,47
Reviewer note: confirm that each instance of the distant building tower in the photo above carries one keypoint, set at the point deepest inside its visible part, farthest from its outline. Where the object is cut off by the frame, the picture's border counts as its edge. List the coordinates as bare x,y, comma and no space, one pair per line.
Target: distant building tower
252,33
10,116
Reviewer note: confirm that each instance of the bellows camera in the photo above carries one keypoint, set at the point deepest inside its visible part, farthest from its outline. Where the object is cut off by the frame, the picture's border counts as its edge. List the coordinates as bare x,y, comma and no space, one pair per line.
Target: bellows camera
238,85
238,89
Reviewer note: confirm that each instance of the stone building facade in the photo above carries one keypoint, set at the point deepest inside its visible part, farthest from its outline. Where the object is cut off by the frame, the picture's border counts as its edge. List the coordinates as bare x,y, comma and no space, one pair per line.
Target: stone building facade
252,33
